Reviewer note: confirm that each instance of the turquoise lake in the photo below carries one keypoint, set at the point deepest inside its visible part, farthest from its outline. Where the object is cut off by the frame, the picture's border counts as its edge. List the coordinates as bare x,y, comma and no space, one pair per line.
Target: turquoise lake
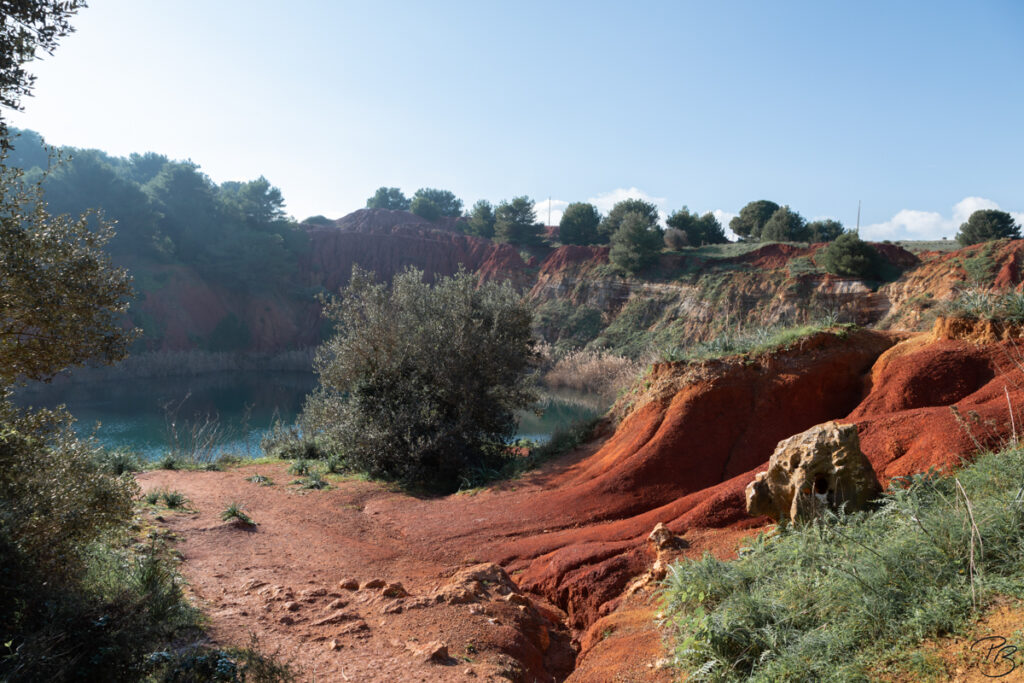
230,411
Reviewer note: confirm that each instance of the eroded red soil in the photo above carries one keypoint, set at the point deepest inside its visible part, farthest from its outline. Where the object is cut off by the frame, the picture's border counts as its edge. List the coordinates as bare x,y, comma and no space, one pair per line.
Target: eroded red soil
571,536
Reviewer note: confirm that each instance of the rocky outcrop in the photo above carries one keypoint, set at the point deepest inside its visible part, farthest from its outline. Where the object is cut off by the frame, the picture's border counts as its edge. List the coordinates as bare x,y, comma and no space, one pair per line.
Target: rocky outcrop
821,468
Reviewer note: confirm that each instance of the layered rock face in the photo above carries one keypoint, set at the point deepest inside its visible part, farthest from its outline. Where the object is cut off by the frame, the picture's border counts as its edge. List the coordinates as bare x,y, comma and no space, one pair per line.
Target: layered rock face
821,468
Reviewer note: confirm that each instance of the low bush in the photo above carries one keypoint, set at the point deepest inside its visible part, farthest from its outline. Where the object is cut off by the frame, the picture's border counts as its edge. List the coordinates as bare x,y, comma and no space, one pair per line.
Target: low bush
117,461
234,512
831,600
173,499
979,304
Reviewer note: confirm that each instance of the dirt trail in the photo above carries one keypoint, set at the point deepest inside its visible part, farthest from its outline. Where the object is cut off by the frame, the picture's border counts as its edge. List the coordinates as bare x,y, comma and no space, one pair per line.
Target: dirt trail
572,536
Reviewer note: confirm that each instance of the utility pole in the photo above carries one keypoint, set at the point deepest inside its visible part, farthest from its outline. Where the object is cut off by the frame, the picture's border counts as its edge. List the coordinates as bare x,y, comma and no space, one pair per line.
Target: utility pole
549,209
858,218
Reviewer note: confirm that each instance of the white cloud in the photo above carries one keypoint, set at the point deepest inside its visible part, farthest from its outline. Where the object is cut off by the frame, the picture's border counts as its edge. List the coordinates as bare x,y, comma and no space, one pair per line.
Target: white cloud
604,203
606,200
724,217
910,224
557,208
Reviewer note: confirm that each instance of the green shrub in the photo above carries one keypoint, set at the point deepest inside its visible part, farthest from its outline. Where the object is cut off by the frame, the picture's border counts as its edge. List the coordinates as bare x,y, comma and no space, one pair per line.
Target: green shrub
315,480
849,255
117,461
980,304
167,462
299,467
420,383
234,512
831,599
635,244
173,499
260,479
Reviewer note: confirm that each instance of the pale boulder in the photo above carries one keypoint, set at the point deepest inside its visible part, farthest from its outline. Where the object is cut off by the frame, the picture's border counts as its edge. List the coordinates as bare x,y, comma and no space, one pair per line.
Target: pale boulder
822,467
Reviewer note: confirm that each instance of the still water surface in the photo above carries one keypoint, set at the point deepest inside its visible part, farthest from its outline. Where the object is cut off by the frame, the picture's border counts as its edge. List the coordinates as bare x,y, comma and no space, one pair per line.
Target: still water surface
144,414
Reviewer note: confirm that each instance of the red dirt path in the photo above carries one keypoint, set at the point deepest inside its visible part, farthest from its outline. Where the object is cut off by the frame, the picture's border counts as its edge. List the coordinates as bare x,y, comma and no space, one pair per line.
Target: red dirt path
572,534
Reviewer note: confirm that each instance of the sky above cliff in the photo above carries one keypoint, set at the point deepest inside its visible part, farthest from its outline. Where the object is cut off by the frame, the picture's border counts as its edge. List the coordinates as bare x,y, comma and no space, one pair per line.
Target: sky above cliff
912,108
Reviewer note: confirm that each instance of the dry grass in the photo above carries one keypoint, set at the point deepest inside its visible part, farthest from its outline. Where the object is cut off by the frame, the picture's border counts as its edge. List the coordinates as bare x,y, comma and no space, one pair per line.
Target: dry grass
596,372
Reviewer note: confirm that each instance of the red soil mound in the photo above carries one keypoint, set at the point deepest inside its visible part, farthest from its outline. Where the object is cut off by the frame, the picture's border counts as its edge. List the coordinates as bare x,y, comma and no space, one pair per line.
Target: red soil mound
771,256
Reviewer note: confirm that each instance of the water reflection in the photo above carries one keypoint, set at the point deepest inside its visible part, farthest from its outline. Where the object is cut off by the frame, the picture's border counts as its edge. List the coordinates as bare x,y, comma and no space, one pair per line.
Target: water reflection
144,414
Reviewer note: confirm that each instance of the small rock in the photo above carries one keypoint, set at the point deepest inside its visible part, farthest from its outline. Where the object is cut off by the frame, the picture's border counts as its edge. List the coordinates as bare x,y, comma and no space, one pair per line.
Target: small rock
337,604
469,673
314,593
287,620
252,584
159,518
663,663
349,584
476,608
334,645
393,608
291,606
436,652
394,590
375,583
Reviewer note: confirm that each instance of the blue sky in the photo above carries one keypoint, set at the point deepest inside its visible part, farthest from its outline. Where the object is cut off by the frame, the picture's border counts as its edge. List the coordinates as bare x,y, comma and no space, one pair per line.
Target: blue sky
914,108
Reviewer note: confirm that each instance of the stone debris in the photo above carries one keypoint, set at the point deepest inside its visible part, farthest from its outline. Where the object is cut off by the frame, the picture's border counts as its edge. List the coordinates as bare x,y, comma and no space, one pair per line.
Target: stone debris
374,583
820,468
348,584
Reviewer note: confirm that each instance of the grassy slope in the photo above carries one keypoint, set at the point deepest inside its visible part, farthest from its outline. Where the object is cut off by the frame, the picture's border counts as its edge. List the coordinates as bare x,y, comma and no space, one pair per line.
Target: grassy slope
846,598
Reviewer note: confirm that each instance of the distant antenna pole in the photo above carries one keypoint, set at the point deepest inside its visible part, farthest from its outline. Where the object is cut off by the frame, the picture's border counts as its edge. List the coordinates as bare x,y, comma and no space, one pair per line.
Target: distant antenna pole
549,210
858,216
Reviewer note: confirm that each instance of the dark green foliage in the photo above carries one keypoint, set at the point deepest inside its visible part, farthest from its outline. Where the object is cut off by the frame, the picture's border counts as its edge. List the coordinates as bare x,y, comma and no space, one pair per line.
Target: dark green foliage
28,28
425,208
236,234
230,334
481,219
566,325
446,202
636,244
832,600
579,224
611,223
824,230
388,198
515,222
752,218
420,383
988,224
699,230
851,256
60,296
629,334
785,225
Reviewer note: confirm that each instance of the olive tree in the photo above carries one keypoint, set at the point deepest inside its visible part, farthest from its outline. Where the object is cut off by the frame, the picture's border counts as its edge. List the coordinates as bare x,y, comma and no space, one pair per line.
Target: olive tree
420,382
